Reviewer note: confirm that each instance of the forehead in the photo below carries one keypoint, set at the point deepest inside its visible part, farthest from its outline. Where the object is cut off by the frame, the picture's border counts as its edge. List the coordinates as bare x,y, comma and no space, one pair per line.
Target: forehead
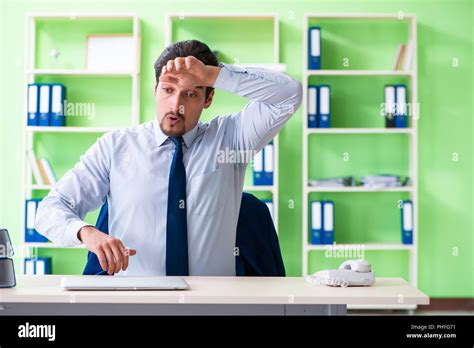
179,87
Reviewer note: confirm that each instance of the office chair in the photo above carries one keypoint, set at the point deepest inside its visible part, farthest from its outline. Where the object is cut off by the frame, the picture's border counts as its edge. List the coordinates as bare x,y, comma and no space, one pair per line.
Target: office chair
258,250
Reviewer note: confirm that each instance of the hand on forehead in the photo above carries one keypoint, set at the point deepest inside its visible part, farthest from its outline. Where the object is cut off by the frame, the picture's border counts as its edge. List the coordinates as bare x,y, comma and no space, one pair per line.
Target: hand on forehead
181,71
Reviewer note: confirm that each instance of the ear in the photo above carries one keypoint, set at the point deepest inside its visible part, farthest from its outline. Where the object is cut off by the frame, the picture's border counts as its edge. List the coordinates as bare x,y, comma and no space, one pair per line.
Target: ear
154,90
209,99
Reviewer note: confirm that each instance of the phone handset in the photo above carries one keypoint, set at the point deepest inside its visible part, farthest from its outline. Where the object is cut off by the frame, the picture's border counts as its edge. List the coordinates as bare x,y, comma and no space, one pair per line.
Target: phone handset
349,273
360,266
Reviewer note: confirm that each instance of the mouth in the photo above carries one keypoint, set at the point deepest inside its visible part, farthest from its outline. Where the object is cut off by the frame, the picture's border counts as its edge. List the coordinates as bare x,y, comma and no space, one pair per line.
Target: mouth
172,119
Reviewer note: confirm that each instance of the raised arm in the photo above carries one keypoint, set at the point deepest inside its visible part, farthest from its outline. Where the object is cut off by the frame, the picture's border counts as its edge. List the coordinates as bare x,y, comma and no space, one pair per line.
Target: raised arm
273,99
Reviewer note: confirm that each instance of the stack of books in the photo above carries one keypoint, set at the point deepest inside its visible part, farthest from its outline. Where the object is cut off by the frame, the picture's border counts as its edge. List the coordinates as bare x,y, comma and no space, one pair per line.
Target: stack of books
42,170
385,180
370,181
333,182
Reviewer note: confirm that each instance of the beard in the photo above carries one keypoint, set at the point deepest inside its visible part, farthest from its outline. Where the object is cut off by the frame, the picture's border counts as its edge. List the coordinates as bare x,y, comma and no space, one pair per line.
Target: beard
172,124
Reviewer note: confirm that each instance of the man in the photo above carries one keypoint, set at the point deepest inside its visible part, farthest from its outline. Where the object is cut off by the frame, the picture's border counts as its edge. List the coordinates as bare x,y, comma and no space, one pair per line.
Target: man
171,201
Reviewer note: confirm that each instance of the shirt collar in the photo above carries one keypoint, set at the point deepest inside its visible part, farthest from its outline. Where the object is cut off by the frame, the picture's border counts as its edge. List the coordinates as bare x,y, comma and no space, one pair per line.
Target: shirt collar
161,137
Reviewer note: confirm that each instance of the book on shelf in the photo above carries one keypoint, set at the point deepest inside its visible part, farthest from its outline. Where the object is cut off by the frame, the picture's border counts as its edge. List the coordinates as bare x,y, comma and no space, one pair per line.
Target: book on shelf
35,168
403,57
42,170
384,180
369,181
47,171
333,182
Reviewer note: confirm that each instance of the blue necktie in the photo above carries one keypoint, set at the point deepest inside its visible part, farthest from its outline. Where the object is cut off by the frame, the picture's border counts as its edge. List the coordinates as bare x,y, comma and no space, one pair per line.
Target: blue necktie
176,229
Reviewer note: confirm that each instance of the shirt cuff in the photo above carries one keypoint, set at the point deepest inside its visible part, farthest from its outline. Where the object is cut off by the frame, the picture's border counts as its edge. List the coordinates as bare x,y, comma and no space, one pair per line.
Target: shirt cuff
226,79
72,230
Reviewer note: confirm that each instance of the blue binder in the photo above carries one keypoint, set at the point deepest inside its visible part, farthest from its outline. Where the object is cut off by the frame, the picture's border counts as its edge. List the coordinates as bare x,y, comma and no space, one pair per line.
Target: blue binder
38,265
314,48
407,222
401,118
44,105
389,110
324,114
33,105
268,163
258,169
328,222
316,222
263,166
29,266
313,106
31,235
58,95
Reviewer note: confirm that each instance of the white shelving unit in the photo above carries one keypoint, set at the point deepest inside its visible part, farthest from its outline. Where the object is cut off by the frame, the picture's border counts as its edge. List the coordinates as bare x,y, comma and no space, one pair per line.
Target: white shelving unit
357,73
275,65
31,72
411,132
44,129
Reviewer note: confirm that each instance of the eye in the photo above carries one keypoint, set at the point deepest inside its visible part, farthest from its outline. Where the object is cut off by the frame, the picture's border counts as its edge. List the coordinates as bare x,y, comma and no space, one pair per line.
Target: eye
192,95
167,90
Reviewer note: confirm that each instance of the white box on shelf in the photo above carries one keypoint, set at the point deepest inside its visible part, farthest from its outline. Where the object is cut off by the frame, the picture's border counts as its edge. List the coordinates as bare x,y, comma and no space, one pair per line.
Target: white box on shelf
111,52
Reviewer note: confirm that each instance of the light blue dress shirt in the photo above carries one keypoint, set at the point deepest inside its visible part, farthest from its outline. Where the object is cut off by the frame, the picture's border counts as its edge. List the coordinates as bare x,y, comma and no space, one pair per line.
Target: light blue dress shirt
131,167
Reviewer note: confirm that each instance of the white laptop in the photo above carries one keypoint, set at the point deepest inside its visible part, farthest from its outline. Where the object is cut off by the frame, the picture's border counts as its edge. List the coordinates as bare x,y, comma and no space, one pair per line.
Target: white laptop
93,282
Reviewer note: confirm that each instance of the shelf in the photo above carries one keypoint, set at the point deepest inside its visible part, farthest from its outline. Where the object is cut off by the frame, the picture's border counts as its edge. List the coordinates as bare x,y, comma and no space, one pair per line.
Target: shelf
367,246
51,246
357,73
70,129
359,189
34,70
40,187
359,130
78,15
265,188
183,15
276,67
381,74
350,15
79,72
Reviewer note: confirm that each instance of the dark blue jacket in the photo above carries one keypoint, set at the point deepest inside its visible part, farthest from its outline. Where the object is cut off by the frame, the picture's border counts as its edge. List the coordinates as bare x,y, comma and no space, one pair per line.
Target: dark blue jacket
258,250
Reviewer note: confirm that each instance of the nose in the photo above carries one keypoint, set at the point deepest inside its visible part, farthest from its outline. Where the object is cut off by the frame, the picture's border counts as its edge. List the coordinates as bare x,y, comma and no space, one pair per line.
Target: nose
176,104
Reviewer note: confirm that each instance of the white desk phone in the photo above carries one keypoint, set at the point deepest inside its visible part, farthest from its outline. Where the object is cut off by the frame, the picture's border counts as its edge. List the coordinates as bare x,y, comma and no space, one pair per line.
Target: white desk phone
350,273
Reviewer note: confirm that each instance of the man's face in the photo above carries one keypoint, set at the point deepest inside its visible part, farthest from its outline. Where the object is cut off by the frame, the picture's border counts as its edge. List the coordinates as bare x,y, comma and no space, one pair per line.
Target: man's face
179,107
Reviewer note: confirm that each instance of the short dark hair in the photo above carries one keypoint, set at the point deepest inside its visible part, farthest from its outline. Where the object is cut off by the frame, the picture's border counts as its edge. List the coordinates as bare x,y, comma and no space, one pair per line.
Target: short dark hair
186,48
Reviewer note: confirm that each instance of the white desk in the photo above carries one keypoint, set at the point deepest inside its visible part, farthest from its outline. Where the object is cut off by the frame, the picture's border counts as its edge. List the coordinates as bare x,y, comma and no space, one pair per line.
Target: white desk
42,295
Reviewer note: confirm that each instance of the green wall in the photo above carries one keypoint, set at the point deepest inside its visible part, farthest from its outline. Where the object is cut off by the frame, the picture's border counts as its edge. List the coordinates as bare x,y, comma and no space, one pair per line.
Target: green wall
445,36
